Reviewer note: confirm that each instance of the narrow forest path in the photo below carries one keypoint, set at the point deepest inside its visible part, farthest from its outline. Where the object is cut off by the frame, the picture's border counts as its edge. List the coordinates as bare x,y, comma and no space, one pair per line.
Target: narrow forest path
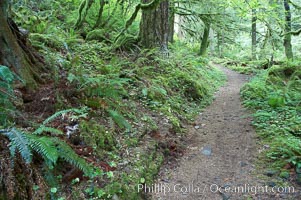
221,152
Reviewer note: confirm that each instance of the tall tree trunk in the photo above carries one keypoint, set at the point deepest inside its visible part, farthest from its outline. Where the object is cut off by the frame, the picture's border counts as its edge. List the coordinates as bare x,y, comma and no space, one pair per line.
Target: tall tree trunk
154,25
254,37
178,26
205,39
171,22
14,52
211,44
102,4
82,12
288,28
220,42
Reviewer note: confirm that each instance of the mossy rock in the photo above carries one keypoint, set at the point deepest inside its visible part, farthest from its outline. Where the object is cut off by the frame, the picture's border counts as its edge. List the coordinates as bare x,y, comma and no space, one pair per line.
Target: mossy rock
96,136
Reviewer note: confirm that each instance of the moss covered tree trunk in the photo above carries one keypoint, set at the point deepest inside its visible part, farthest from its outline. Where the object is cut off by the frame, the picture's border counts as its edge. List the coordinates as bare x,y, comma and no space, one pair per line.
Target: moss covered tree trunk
102,4
205,39
288,28
82,12
154,25
14,52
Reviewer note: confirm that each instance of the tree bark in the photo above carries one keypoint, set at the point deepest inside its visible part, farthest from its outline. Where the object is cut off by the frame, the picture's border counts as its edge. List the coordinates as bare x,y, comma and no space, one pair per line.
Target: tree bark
205,39
15,52
171,22
211,44
254,37
288,28
220,43
178,26
154,25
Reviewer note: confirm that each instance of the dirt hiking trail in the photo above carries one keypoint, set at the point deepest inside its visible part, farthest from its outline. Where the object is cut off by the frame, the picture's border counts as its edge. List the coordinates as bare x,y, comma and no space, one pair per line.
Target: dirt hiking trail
221,152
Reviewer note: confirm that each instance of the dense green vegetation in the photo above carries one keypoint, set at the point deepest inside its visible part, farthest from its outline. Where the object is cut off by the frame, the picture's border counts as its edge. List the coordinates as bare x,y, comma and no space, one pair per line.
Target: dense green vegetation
122,110
275,95
96,95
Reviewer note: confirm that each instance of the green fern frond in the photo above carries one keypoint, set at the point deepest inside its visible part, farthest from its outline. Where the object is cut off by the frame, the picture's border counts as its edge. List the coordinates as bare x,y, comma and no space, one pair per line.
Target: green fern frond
51,149
20,142
119,119
102,86
43,128
62,112
45,147
6,75
68,155
6,93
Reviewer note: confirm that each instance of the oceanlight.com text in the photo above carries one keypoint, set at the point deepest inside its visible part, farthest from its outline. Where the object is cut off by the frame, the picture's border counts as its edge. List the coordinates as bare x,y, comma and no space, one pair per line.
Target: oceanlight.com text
213,188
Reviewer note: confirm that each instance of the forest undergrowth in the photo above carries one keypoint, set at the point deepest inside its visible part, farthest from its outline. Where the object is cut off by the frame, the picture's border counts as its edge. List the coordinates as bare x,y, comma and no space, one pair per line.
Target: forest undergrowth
107,102
104,120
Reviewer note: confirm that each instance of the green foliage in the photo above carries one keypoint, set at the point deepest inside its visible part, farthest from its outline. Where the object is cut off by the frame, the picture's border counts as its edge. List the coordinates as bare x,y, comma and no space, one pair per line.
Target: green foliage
242,69
287,148
45,147
275,94
97,136
6,94
41,40
51,149
98,34
119,119
178,87
67,154
276,100
43,128
120,87
18,141
243,66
